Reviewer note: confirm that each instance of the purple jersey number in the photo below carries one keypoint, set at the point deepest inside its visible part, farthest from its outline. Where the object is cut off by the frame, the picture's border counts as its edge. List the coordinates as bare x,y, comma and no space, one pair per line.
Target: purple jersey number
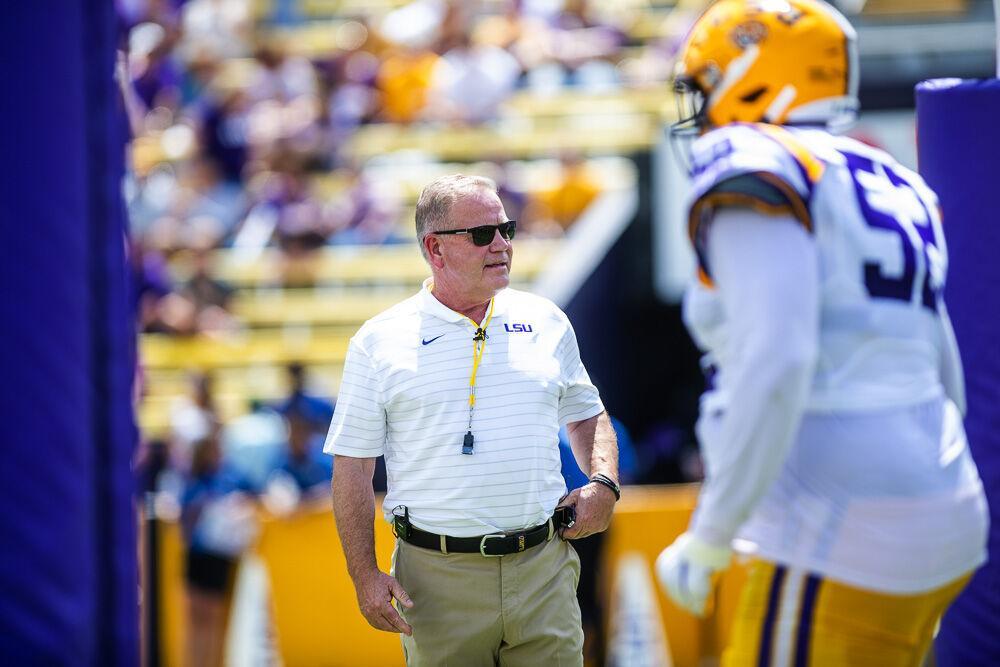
891,203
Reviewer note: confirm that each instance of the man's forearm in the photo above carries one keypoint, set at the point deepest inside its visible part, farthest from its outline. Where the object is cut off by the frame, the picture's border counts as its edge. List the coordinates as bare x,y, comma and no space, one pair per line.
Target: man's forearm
354,509
595,445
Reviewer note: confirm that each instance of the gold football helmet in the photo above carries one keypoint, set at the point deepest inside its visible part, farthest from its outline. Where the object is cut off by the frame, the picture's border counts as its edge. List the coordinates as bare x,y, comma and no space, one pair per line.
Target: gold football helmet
787,62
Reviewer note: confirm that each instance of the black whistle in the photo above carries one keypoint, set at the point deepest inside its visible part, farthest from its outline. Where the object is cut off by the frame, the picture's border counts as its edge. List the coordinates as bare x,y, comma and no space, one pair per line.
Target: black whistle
467,443
480,335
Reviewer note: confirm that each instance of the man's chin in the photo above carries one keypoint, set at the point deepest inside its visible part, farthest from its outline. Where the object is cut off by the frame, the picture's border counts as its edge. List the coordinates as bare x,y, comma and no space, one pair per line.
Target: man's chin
492,287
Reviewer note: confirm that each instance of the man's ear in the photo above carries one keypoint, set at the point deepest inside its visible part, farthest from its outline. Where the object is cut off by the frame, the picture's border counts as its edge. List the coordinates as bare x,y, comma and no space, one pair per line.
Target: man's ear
433,246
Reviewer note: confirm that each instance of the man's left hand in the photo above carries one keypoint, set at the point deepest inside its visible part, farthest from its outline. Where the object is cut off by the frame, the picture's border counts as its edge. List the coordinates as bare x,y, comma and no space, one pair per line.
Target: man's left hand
594,505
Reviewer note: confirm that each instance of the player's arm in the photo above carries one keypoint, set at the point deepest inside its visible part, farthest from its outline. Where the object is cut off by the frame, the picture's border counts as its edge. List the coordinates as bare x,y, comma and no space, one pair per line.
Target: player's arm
354,509
767,271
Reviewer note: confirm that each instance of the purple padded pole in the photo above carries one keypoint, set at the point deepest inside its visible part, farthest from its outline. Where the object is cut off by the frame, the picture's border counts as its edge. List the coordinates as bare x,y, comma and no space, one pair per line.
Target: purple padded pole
958,141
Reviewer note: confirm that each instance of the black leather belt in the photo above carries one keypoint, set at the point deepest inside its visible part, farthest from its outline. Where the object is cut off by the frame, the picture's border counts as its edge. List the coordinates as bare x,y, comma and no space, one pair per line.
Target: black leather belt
495,544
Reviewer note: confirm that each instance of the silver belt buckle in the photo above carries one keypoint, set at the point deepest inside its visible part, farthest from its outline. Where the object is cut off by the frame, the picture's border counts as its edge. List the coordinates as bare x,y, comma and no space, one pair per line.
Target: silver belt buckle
482,545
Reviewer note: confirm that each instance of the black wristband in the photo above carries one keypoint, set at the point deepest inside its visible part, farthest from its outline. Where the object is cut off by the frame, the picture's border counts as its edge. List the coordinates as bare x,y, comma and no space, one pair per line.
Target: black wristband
608,482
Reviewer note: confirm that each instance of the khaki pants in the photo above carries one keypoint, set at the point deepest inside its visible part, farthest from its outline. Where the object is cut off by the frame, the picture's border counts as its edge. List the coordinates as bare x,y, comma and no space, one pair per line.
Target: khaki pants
518,609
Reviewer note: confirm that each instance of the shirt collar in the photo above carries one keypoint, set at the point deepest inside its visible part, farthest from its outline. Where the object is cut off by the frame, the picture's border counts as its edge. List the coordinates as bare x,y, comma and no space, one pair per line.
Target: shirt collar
429,304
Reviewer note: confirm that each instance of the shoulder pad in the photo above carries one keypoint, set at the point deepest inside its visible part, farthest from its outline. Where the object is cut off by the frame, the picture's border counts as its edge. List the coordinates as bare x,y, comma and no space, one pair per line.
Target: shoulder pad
743,148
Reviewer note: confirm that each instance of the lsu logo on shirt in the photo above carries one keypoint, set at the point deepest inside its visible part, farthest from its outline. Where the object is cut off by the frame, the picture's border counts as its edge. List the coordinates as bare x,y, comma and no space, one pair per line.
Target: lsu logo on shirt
517,328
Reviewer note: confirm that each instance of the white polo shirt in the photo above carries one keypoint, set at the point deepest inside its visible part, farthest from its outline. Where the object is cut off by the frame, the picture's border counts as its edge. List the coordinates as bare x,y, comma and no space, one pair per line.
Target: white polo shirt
405,394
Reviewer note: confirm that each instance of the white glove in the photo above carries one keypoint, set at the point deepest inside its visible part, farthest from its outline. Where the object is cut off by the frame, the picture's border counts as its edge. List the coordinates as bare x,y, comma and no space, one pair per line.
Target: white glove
685,570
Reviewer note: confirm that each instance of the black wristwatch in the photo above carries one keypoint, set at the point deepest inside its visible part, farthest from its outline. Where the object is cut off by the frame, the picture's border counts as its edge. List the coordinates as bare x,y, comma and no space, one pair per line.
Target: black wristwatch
608,482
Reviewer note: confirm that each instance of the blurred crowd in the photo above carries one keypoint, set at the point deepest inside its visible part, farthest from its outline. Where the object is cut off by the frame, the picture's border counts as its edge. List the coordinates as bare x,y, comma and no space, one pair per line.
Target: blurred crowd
242,115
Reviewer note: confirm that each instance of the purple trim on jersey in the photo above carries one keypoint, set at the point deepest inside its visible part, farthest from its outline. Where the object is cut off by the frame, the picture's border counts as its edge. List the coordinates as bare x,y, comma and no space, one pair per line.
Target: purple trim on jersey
711,373
700,245
767,631
806,614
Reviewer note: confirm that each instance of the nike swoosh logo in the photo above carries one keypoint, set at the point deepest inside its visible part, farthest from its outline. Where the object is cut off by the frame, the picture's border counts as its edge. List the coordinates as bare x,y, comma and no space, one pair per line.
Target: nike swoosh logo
428,342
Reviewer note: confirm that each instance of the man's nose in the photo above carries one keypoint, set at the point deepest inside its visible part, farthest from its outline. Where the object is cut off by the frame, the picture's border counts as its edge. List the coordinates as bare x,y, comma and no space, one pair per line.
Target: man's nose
499,243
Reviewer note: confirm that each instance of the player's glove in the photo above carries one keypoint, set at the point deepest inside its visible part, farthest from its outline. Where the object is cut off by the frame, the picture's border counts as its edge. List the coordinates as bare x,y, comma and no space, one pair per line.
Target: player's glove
686,570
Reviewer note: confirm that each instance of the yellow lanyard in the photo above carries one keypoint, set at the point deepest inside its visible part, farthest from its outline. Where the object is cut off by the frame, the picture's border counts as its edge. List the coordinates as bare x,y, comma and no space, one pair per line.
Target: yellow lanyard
478,348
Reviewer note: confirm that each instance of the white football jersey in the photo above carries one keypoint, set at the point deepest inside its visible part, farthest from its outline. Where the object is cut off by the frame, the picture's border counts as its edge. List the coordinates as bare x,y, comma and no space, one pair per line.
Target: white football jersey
882,255
878,489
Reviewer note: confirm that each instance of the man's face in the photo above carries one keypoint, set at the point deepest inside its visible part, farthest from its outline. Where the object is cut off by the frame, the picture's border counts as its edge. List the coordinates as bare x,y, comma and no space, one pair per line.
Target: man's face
473,273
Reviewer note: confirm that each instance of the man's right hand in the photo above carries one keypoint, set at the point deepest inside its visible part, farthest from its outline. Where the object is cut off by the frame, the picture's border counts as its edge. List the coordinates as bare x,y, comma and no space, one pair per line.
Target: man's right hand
375,595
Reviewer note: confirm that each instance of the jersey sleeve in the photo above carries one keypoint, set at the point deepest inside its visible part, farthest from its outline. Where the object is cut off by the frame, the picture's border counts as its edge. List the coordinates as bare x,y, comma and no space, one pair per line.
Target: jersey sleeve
579,398
358,428
762,167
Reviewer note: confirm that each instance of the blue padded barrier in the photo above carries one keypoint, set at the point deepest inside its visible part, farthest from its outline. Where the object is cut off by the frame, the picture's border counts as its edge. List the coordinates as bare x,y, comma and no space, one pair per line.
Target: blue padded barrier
68,585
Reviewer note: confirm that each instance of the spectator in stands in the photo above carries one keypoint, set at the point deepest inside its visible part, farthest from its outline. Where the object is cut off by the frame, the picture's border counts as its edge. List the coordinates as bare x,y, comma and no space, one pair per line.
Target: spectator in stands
317,411
555,209
347,86
226,26
198,305
443,434
223,130
155,72
211,205
472,80
151,461
280,77
209,297
193,418
584,42
218,524
254,441
513,198
203,65
303,472
365,211
523,36
150,284
404,79
304,461
303,225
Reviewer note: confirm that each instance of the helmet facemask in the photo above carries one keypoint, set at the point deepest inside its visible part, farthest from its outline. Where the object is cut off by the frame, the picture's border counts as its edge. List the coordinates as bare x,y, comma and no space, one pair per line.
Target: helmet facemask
691,104
692,120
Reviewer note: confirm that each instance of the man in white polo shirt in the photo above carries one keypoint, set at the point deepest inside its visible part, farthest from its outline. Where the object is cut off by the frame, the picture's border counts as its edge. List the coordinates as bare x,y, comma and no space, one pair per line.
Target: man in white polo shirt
463,388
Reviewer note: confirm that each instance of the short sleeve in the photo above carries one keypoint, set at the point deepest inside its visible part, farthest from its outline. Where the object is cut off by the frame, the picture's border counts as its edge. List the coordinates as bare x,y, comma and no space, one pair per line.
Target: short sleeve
358,428
579,398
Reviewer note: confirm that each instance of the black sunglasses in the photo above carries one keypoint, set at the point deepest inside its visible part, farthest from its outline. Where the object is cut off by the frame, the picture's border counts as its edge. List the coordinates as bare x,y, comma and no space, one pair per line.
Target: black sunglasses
483,235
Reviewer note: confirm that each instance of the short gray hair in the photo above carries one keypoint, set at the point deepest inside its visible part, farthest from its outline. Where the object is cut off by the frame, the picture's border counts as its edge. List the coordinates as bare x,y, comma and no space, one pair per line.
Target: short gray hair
437,198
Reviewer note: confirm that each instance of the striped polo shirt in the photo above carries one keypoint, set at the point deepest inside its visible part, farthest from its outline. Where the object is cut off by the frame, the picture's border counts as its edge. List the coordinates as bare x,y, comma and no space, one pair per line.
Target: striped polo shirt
405,394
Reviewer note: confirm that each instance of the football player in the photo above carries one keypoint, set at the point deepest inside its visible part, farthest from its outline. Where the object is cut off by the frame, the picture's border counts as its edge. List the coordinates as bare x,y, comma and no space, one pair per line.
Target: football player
832,438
